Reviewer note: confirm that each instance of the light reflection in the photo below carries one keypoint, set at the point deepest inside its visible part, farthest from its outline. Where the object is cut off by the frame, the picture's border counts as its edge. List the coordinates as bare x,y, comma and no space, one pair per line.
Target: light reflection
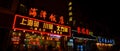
103,44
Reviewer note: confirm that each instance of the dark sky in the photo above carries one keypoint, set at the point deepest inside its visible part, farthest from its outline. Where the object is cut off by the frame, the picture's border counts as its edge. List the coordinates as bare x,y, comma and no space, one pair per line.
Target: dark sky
98,15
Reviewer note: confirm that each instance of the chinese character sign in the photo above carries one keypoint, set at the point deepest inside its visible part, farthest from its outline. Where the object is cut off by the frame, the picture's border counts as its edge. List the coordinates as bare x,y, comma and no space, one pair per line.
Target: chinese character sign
33,12
40,26
82,30
52,17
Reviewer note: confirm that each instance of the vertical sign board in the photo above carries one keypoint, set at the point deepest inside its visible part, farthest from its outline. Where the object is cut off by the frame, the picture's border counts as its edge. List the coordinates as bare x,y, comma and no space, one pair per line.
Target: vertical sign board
40,26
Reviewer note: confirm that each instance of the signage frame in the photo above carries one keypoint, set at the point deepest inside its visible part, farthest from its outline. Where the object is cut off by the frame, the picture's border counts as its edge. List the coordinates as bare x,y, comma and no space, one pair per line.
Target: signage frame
15,28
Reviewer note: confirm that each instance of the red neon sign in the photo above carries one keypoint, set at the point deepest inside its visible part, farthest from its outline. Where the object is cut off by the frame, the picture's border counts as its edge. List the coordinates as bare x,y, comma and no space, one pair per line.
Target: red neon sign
34,25
82,30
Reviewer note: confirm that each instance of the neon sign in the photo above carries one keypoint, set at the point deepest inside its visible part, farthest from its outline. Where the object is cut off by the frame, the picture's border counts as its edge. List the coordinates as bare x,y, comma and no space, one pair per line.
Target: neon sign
104,40
40,26
43,14
82,30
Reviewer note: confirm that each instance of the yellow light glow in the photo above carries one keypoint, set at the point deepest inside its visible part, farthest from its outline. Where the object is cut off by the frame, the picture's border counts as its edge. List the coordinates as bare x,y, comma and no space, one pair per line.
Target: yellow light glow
23,21
66,29
14,30
51,38
14,33
62,29
45,25
60,32
27,34
54,31
56,39
97,44
19,34
37,39
30,23
70,8
70,13
91,33
47,38
58,28
70,19
50,26
105,44
35,28
36,24
109,44
51,31
32,32
70,3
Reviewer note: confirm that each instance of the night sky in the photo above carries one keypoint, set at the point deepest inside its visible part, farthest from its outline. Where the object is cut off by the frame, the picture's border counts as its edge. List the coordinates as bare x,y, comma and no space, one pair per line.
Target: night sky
98,15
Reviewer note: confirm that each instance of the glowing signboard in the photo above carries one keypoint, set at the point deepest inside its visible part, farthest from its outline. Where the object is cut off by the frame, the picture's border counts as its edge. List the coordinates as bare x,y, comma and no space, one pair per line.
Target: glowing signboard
82,30
105,40
33,12
40,26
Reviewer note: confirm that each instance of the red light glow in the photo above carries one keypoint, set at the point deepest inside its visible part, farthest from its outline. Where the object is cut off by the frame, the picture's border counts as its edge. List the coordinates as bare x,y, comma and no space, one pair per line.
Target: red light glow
15,28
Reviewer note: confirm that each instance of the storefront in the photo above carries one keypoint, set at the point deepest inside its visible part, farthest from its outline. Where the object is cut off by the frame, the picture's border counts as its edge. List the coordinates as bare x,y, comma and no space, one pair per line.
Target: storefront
34,41
83,39
104,44
84,44
38,35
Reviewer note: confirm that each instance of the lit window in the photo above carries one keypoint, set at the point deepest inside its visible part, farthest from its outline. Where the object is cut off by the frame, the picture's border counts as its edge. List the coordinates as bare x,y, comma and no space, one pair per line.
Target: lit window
23,21
58,28
70,13
74,22
66,29
51,26
70,8
70,3
36,24
70,19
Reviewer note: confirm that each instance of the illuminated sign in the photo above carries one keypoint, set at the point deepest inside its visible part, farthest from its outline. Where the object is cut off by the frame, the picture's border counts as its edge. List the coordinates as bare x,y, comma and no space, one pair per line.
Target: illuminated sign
33,12
40,26
82,30
104,40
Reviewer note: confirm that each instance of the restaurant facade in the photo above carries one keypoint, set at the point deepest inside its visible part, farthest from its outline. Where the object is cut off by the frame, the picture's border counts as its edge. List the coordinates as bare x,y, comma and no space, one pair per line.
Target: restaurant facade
83,39
28,28
39,31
